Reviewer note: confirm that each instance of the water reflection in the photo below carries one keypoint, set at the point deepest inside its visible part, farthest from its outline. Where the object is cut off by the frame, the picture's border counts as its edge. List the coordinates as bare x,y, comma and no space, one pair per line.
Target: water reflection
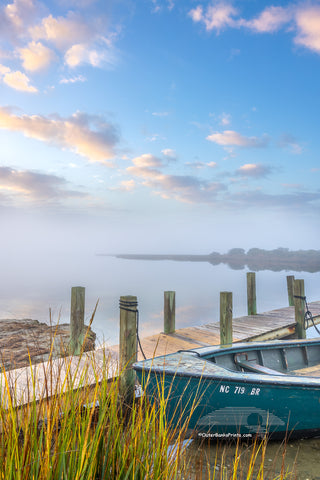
255,259
33,285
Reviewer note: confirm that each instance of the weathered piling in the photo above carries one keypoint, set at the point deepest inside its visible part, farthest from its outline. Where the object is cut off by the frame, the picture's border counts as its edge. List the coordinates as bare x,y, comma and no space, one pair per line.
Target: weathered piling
299,304
169,312
225,318
251,293
128,345
77,319
290,282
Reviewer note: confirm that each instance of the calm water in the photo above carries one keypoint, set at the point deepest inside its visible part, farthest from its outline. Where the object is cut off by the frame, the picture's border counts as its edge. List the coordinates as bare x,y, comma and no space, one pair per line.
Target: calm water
31,286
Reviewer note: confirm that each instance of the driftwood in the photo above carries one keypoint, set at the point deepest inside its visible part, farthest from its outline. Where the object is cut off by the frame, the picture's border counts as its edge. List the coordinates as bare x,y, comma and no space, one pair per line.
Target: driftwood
28,341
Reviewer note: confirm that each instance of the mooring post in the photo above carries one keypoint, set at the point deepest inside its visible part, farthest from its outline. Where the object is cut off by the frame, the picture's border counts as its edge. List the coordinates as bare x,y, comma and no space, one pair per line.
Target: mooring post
299,307
169,312
225,318
128,345
290,282
77,319
251,293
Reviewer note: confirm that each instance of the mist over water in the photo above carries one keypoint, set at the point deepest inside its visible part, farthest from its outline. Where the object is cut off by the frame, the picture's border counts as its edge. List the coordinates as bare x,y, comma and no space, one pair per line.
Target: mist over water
35,283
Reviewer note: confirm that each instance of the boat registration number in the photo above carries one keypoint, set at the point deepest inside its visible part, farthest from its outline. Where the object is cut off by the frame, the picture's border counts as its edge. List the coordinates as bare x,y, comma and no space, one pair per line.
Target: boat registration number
239,390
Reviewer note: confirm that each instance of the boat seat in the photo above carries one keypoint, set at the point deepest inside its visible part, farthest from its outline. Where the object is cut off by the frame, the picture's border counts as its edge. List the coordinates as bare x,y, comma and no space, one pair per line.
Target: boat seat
255,367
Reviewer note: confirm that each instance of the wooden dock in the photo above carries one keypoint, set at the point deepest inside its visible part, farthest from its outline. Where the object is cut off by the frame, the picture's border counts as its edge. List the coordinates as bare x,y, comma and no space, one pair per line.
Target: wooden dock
271,325
31,381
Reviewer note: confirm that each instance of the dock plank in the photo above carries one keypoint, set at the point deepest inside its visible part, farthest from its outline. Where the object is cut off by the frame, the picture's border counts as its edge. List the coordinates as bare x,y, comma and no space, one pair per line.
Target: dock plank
273,324
270,325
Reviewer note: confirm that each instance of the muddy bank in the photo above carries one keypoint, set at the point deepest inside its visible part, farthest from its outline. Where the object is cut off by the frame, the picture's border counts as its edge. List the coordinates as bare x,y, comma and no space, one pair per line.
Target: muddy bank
21,339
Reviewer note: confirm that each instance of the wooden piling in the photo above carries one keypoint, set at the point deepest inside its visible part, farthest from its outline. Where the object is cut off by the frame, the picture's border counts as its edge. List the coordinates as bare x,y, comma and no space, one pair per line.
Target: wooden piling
169,312
128,345
225,318
251,293
290,282
299,304
77,319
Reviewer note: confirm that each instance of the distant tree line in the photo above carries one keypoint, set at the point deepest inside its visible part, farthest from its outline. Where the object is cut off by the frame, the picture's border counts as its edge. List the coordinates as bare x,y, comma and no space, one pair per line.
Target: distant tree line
255,259
276,260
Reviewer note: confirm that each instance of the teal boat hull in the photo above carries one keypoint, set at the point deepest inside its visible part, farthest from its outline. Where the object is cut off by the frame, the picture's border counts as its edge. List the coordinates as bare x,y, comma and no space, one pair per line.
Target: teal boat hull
219,402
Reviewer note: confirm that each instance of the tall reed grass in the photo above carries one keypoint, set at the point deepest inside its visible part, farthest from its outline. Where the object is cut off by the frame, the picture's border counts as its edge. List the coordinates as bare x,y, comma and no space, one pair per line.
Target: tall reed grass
83,431
78,428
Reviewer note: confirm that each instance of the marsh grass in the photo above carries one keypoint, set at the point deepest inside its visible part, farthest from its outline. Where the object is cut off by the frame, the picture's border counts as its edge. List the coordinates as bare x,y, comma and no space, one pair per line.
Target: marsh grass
77,427
241,461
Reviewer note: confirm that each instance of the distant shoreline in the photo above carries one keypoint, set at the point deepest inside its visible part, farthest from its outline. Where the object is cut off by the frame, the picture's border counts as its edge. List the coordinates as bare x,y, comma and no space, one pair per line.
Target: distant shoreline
255,259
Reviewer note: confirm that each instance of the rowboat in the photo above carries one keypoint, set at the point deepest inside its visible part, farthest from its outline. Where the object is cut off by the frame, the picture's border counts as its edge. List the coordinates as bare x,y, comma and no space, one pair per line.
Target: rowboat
241,390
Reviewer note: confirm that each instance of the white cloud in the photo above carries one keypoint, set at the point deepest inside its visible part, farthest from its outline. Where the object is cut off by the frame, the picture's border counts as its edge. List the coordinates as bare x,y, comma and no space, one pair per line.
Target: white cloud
88,136
160,114
201,165
270,20
81,54
38,40
232,138
225,119
183,188
16,80
78,78
308,26
36,56
147,160
303,19
63,32
211,164
216,16
169,153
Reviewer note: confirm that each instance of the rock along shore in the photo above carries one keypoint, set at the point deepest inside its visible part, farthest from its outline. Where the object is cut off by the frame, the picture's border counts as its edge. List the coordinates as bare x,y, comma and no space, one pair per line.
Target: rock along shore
22,341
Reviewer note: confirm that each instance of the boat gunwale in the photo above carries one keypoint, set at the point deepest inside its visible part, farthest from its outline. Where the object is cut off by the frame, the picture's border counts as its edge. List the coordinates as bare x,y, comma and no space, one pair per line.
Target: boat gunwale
286,380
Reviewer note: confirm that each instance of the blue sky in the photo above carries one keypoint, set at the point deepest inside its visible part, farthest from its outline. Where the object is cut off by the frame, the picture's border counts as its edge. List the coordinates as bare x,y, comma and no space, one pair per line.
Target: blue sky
159,125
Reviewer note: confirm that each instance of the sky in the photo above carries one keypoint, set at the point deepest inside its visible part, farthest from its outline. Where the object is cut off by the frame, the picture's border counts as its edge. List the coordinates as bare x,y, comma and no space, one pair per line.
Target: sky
159,126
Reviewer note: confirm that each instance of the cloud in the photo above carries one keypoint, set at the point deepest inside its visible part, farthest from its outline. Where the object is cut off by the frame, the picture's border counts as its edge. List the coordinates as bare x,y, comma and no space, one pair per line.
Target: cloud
308,27
292,186
39,40
78,78
289,142
147,160
16,80
223,14
299,201
216,16
16,17
303,20
27,185
63,32
225,119
87,135
232,138
253,170
126,186
36,56
160,114
169,153
270,20
183,188
81,54
200,165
